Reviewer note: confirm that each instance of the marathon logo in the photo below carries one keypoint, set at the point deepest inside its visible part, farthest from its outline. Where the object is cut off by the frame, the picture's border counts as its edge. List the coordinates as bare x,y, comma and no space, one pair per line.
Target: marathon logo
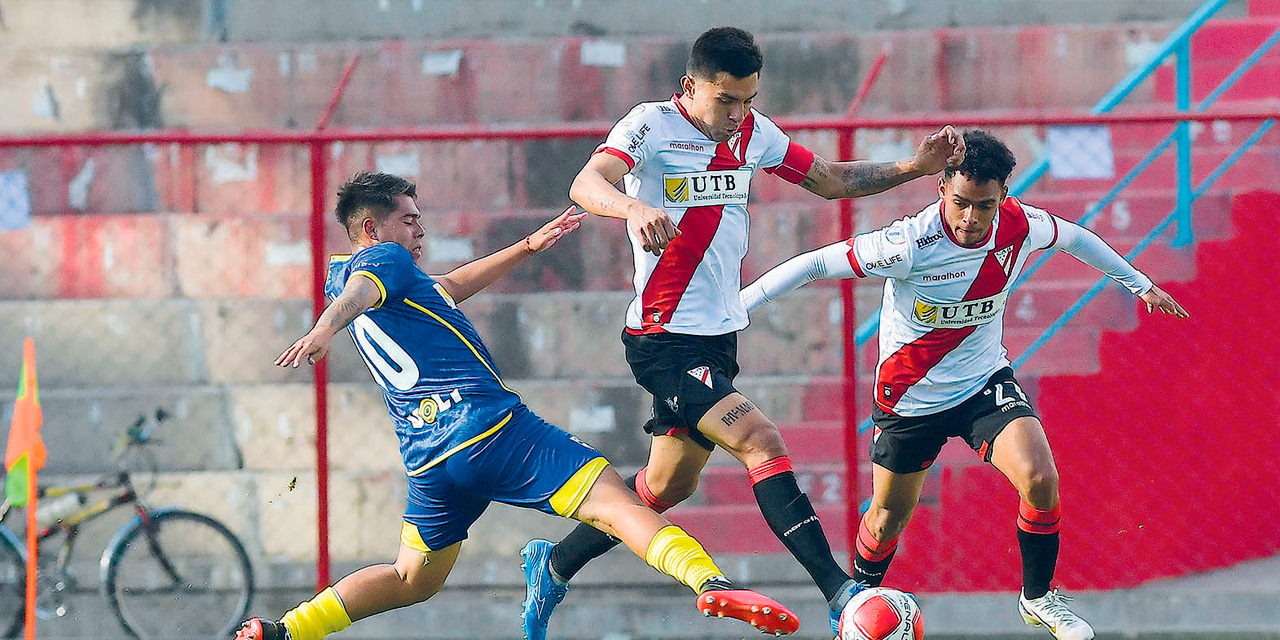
705,188
954,315
942,277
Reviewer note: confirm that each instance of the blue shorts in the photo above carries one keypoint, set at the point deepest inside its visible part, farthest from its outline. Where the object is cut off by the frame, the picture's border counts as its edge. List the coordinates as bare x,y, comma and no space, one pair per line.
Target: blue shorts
527,463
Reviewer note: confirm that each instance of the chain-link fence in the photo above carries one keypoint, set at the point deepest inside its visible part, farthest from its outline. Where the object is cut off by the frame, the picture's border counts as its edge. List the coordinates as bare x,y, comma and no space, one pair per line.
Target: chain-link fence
168,275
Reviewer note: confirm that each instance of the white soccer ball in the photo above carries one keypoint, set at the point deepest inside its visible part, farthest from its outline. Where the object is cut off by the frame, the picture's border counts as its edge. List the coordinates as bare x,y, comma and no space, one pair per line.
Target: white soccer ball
881,614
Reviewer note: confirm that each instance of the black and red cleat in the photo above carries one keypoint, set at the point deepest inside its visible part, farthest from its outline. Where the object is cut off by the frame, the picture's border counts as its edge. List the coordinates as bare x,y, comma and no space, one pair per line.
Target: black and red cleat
259,629
758,610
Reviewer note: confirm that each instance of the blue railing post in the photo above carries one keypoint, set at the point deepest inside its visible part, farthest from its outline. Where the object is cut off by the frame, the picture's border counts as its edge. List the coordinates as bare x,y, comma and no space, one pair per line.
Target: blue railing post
1183,69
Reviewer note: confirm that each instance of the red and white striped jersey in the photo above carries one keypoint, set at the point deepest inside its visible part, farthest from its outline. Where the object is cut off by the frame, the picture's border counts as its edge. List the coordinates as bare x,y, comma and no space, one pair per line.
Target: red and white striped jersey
941,320
692,288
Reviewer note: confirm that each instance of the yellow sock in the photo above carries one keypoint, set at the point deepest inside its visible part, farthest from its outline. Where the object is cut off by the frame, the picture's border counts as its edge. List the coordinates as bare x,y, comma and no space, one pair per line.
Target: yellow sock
321,616
678,555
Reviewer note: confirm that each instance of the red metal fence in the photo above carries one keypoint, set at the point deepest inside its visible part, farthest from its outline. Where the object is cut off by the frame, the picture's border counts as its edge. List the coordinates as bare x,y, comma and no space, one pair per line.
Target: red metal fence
168,268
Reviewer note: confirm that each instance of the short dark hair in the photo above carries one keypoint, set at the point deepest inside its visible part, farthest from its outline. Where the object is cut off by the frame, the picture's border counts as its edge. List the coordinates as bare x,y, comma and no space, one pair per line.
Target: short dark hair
985,158
727,49
376,192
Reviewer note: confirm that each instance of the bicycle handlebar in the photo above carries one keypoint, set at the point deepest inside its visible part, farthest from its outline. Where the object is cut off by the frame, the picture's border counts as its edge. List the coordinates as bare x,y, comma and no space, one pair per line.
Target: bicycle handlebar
139,433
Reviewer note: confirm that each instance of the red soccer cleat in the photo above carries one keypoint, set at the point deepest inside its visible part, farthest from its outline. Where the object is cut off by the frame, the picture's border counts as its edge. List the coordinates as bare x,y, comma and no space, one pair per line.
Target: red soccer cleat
757,610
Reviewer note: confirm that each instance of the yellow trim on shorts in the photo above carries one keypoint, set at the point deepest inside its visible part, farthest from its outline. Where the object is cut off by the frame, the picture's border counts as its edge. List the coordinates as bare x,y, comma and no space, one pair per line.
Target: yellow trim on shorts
566,500
410,537
441,458
382,291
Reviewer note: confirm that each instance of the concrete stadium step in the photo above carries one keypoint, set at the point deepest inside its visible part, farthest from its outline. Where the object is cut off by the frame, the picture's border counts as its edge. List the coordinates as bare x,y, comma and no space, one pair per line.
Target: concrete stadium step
487,81
1250,171
739,528
824,481
814,442
157,256
1226,39
1159,261
730,486
1213,135
1255,84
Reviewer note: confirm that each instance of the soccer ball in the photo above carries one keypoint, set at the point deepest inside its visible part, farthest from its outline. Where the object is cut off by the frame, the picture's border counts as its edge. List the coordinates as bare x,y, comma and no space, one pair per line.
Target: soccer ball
881,614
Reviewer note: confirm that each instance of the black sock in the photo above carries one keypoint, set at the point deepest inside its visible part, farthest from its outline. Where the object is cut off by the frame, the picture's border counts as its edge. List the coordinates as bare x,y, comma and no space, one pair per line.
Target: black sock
716,583
791,517
1039,559
871,557
584,544
870,572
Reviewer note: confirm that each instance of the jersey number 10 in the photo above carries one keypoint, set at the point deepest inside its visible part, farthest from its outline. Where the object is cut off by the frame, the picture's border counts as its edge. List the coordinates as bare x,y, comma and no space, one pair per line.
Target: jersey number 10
388,361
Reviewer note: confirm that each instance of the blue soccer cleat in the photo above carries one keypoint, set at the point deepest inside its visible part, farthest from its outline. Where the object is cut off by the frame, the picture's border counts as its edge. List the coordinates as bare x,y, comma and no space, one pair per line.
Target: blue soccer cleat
542,594
850,589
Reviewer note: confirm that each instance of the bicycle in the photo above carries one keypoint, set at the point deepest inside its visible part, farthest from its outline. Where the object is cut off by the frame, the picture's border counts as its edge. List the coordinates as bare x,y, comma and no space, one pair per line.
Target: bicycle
167,573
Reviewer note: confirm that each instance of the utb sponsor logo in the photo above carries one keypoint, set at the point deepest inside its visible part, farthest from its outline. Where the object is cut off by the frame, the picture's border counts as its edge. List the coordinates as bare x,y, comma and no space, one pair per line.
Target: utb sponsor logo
706,188
953,315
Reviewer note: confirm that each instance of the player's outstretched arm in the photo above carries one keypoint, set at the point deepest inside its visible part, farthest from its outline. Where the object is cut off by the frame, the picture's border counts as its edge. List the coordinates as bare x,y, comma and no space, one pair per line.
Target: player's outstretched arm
359,294
593,190
1088,248
859,178
470,278
830,261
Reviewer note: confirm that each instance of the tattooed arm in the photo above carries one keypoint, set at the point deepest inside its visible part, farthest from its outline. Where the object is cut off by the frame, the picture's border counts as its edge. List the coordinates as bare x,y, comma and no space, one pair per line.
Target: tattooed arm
357,296
593,190
833,180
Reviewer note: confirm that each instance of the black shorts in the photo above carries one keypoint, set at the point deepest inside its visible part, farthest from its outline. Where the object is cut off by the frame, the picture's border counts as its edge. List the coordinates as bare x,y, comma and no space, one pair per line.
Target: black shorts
909,444
687,375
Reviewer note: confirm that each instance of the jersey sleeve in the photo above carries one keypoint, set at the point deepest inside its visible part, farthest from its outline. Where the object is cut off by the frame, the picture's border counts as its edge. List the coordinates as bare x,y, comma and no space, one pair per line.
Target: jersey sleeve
1085,246
1042,231
389,265
629,140
781,157
885,252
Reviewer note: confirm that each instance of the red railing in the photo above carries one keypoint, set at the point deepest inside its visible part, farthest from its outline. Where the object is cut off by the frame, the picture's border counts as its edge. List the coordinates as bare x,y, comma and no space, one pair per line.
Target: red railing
319,142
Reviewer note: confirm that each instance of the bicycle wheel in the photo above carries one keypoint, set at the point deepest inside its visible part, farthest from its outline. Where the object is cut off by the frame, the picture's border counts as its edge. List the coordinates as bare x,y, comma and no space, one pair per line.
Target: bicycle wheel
177,574
13,585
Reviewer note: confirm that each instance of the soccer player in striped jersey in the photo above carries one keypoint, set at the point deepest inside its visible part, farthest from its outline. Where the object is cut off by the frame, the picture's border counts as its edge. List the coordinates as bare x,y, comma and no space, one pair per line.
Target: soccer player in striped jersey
943,369
466,438
686,165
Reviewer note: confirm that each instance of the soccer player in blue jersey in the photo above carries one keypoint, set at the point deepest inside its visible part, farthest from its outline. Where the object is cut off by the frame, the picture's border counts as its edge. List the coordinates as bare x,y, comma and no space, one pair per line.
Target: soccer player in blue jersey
465,437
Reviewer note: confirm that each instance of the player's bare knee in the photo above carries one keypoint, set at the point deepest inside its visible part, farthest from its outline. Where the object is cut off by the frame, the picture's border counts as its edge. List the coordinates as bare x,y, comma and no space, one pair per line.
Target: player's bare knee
1041,489
672,489
759,445
415,586
885,523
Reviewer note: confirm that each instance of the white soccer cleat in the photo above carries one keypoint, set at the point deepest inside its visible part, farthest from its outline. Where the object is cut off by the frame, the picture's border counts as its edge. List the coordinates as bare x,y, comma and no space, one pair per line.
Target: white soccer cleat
1050,610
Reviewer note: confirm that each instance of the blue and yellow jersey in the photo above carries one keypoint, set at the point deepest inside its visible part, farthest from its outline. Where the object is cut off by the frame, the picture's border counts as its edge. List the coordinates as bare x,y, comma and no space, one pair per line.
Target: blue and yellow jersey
441,386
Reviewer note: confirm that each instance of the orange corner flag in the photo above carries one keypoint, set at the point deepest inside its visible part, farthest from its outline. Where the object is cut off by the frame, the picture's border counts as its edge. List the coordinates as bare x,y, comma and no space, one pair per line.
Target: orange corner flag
26,451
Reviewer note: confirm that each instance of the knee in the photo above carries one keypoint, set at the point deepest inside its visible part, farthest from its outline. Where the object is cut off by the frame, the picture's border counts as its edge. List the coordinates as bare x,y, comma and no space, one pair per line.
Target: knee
415,586
672,489
1041,487
763,443
886,523
422,593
